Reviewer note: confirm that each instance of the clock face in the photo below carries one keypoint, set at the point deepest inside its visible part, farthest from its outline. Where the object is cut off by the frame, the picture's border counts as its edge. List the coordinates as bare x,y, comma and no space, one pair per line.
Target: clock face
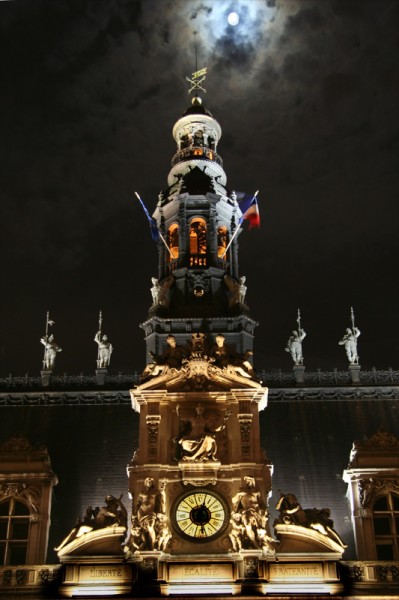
200,515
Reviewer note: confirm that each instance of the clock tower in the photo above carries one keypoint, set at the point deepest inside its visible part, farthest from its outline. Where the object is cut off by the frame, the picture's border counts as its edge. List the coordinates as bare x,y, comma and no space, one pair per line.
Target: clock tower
199,481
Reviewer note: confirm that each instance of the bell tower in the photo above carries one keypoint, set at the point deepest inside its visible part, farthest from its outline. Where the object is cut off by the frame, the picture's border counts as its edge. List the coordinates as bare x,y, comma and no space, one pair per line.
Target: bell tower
199,481
198,288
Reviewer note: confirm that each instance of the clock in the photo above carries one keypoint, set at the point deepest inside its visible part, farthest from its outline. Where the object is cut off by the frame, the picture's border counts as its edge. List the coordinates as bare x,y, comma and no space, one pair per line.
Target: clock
200,516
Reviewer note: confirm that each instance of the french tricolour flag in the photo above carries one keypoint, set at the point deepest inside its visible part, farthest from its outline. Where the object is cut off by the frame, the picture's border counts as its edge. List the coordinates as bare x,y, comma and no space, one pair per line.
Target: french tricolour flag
249,207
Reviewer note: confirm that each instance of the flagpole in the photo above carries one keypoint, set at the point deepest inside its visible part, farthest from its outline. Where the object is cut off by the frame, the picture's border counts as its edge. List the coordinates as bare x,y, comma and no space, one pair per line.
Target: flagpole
232,237
166,245
159,233
237,228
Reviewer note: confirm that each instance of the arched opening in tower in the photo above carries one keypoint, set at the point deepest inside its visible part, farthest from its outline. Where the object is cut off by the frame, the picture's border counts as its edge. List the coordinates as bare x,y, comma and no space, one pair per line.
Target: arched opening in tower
197,239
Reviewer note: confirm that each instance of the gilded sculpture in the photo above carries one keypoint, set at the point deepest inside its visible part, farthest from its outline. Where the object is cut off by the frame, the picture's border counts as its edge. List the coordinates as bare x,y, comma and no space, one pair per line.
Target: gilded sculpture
112,514
292,513
198,359
196,441
250,527
149,527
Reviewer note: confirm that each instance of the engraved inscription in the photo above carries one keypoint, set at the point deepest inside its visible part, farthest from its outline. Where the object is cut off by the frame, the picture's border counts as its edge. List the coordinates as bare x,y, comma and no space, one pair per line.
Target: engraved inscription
309,571
200,572
104,573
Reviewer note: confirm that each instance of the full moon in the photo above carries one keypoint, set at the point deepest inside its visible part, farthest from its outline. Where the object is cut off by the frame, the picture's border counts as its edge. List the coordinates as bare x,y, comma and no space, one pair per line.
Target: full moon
233,19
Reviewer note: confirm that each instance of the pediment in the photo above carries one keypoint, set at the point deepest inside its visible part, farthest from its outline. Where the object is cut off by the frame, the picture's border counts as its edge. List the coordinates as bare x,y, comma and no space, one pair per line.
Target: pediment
104,541
199,374
294,539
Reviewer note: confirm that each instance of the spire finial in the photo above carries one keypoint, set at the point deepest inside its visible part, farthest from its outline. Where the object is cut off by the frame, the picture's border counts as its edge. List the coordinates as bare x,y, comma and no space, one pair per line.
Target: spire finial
199,76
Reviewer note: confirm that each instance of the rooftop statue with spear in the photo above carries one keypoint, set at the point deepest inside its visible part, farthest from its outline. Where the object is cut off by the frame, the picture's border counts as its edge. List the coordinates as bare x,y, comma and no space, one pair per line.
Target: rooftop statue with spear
50,347
294,344
349,341
104,346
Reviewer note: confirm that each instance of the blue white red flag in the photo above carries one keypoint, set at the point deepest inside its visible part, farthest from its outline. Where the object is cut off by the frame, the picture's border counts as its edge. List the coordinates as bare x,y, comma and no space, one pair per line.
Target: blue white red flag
249,207
152,222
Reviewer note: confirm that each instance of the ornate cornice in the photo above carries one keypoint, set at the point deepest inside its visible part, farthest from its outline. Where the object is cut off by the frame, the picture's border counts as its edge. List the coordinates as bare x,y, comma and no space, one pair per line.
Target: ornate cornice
83,390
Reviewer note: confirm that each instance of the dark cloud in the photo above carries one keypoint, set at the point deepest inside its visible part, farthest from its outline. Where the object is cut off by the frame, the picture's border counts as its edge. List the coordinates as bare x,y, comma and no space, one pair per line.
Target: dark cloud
306,93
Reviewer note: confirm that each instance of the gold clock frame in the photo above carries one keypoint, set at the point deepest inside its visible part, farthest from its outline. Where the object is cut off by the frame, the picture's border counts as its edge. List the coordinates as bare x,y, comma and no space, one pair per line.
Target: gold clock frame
200,515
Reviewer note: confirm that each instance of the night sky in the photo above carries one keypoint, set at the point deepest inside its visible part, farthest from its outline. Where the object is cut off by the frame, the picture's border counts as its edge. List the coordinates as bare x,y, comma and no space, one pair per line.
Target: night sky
306,93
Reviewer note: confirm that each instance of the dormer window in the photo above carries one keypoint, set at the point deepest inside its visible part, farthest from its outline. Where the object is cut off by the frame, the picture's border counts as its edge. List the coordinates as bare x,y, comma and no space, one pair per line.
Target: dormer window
14,532
386,526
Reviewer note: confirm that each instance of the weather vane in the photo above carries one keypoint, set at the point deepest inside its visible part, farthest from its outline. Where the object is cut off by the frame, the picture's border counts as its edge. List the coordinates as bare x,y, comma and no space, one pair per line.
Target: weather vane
199,76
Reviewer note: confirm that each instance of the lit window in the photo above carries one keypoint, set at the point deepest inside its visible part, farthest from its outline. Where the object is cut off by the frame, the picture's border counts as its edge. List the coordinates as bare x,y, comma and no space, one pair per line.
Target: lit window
222,242
14,532
386,526
198,242
173,241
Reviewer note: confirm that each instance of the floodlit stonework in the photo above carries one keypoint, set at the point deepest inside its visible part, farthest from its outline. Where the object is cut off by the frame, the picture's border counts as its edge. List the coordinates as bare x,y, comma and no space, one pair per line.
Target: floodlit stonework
233,480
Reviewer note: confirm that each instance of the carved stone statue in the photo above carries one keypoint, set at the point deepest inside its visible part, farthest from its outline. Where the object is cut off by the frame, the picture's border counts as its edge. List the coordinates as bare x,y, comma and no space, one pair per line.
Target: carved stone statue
164,291
196,442
367,489
250,506
163,533
292,513
237,290
349,341
150,530
51,350
242,289
294,346
237,531
113,513
155,291
224,356
171,358
104,350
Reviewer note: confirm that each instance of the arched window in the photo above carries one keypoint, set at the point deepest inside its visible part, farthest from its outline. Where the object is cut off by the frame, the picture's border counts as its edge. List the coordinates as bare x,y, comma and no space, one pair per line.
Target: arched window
173,241
198,242
222,242
14,532
386,526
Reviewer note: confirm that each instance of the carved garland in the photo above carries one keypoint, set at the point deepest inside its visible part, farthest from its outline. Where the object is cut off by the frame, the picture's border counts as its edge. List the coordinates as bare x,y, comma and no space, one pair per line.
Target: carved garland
382,439
370,488
153,422
245,421
29,493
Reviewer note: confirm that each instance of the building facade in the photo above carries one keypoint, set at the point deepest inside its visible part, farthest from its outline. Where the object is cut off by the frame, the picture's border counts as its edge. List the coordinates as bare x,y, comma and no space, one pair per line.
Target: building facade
238,482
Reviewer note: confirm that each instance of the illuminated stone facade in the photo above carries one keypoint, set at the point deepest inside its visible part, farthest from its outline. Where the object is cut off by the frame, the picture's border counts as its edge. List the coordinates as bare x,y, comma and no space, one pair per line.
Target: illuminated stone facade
204,512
